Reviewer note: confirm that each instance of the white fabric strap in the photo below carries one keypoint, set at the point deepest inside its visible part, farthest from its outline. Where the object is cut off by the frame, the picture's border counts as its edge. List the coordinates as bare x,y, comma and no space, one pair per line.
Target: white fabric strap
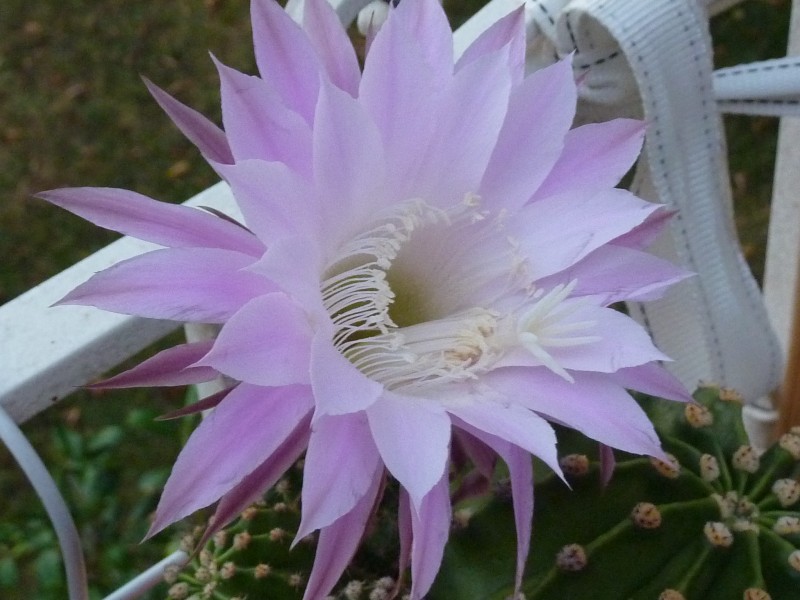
652,60
770,87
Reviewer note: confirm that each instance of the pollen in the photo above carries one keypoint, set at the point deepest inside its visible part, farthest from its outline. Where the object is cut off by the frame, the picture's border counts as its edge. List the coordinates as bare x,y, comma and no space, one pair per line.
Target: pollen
572,558
670,594
669,468
746,459
756,594
787,525
646,515
791,443
575,465
787,491
698,416
718,534
709,468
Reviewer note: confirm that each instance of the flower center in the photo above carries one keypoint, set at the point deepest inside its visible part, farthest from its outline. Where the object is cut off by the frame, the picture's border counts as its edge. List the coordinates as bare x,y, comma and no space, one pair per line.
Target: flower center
389,308
411,299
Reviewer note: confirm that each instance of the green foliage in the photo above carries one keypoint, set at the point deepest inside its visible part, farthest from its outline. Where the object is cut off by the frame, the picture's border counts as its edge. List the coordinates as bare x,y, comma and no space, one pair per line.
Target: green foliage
711,522
110,504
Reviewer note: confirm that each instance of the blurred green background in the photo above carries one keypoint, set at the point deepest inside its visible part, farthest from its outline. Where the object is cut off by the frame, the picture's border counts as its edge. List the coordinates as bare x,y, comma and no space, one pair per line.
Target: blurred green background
73,111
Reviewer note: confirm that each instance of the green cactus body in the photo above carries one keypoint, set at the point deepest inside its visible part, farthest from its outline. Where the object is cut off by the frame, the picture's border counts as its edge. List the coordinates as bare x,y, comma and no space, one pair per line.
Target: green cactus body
715,522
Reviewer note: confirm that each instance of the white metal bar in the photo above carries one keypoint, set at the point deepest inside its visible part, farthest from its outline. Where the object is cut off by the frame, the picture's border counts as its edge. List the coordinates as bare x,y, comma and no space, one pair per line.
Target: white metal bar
53,502
47,352
149,578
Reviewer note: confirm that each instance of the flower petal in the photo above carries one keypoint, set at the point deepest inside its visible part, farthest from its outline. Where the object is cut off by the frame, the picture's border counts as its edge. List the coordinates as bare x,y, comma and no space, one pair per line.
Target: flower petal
339,388
430,523
520,469
275,200
245,429
615,273
478,94
204,134
181,284
509,421
259,125
348,161
332,45
622,343
426,22
507,31
285,57
653,379
556,232
594,405
540,113
293,264
595,156
413,437
171,225
267,342
252,487
338,542
169,367
339,469
399,87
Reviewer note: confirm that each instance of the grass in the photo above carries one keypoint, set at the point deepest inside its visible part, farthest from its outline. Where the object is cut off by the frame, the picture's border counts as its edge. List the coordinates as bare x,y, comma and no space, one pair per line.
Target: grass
73,111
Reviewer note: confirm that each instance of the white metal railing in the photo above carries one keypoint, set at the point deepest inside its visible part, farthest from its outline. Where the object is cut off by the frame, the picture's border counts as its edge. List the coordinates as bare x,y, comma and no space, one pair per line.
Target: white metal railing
49,352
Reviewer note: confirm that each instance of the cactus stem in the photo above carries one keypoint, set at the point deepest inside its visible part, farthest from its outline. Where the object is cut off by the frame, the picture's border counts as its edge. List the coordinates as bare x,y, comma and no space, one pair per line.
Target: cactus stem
761,487
698,566
754,553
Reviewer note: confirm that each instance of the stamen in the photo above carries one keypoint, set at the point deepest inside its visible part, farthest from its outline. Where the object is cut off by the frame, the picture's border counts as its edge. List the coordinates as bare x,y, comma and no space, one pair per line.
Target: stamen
546,325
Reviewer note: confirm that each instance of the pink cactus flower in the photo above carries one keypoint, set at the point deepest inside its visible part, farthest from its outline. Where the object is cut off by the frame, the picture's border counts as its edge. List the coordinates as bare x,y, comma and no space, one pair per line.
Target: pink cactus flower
428,258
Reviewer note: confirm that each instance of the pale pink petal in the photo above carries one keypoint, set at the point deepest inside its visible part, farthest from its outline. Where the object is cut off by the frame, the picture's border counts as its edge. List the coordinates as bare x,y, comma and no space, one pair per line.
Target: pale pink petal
406,534
540,113
199,406
243,431
275,200
204,134
339,469
267,342
333,46
259,125
430,521
348,161
426,23
507,31
294,265
520,470
399,87
593,404
607,464
413,437
253,486
478,94
181,284
595,156
556,232
339,388
642,236
507,420
338,542
171,225
479,453
653,379
285,57
169,367
623,343
615,273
